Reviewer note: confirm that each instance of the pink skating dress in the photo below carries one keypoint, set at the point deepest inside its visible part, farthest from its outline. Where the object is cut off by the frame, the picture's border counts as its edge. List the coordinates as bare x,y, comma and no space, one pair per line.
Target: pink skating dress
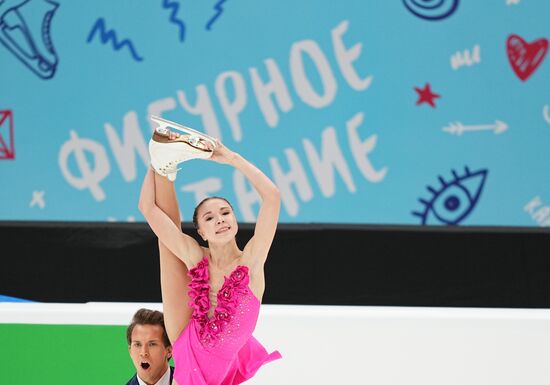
220,350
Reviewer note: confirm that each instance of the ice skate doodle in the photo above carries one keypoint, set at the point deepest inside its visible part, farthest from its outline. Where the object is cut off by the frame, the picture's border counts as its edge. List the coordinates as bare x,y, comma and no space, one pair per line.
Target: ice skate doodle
7,148
25,31
431,9
454,200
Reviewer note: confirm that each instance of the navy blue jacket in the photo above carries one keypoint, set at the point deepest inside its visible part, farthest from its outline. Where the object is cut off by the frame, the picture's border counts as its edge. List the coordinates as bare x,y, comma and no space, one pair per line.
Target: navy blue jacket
134,380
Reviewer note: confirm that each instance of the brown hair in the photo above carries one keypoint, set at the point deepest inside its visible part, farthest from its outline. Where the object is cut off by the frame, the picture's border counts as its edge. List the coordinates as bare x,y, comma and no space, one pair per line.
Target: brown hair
196,212
148,317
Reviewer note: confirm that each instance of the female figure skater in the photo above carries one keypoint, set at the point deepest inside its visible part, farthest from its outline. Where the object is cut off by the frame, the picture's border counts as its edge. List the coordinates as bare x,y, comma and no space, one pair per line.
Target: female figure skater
211,334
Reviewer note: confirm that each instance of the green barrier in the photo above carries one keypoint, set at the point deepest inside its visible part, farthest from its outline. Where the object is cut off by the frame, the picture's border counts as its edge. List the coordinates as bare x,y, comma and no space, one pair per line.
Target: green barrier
64,354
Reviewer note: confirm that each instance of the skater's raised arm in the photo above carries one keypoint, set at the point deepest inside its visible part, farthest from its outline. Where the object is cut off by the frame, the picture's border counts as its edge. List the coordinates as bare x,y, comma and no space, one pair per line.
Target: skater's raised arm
266,224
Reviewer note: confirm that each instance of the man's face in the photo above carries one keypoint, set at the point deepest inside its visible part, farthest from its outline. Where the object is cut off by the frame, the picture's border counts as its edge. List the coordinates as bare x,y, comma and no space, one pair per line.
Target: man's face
149,355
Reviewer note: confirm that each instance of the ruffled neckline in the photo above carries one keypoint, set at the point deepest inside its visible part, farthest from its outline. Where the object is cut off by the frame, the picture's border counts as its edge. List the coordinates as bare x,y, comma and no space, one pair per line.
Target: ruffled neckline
199,289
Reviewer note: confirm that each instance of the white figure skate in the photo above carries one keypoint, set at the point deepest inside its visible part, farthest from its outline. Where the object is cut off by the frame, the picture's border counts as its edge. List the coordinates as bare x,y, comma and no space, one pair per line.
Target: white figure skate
167,153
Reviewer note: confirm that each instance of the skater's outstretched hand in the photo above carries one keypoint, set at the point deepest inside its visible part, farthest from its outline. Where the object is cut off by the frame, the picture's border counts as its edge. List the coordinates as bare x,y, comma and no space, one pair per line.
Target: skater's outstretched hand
221,154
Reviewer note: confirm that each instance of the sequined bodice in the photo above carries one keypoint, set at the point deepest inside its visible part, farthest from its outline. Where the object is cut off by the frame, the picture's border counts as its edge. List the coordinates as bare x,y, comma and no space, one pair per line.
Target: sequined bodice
220,349
235,315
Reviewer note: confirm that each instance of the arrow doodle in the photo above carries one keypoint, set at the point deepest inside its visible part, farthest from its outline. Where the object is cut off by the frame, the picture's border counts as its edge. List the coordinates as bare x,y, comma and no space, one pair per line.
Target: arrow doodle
458,128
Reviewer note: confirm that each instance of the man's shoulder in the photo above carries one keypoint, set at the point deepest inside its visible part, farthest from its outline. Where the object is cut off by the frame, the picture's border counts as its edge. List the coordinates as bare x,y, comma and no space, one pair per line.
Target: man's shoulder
133,380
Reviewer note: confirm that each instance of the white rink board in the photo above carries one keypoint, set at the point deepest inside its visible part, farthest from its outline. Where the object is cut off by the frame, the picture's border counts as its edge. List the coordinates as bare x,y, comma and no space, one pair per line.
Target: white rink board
328,345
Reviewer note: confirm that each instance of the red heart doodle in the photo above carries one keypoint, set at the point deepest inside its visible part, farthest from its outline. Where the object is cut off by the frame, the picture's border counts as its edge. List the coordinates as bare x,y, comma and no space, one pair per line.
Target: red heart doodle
525,57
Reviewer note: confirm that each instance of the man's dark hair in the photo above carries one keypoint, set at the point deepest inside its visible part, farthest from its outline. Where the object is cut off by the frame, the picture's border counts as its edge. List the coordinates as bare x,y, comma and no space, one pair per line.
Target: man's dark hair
148,317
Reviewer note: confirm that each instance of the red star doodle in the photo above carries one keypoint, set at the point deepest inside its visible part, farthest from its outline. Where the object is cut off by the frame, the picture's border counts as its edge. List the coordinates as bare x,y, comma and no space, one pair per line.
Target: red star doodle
425,95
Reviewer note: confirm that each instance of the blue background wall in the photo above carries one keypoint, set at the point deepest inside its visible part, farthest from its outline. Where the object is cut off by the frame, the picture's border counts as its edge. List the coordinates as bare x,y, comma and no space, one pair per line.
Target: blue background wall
391,112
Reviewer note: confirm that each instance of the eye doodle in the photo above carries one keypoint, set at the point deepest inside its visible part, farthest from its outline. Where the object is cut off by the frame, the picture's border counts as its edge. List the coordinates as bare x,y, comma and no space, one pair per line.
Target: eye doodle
454,200
431,9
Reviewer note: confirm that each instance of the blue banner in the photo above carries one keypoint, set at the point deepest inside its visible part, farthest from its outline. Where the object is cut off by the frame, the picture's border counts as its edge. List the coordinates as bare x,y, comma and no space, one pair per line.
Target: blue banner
422,112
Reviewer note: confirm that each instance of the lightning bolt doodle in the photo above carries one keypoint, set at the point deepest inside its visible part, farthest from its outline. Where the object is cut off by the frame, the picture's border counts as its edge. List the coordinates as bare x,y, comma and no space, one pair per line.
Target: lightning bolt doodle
110,36
218,7
174,7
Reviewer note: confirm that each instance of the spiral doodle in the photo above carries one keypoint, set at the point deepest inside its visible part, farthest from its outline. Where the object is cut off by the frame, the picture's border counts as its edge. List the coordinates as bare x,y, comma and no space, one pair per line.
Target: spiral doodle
431,9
